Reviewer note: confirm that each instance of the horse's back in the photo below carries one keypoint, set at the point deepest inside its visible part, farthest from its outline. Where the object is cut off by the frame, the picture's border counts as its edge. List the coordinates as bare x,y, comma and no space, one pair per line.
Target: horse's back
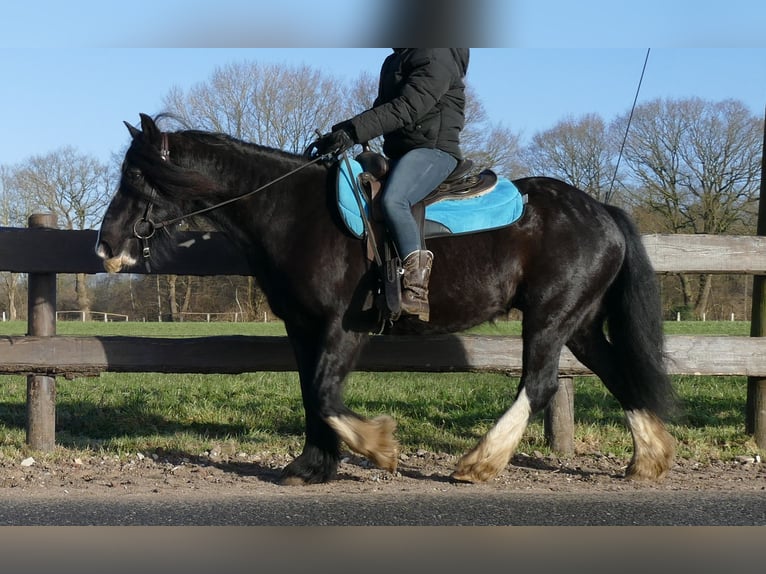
565,216
565,242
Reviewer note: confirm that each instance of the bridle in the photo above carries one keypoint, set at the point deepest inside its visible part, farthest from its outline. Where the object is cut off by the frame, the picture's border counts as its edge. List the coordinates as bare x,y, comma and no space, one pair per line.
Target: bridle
145,227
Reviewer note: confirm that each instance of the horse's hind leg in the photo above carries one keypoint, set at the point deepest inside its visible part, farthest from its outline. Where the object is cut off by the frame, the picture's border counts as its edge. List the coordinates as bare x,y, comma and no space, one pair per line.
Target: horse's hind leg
653,447
538,384
495,449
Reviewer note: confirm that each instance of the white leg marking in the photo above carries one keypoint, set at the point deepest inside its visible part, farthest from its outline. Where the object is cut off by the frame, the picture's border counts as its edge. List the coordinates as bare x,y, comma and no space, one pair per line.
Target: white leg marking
496,448
653,447
371,438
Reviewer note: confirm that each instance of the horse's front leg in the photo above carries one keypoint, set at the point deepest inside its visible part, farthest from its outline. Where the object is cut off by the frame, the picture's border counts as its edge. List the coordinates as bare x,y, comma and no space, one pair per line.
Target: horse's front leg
323,367
372,438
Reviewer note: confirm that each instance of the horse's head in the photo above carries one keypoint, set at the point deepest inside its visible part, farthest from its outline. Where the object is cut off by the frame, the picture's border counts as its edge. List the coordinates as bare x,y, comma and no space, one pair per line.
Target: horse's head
150,193
167,177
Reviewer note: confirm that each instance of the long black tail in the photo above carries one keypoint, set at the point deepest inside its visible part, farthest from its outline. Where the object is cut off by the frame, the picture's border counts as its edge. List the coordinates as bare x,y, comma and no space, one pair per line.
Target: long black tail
635,326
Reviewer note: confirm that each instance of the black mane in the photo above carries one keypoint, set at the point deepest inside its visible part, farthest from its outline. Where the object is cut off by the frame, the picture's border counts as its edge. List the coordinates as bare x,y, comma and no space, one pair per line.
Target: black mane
207,164
238,145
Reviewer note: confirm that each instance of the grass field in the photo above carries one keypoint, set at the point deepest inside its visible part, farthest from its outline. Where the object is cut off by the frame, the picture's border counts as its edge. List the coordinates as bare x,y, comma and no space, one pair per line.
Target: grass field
121,413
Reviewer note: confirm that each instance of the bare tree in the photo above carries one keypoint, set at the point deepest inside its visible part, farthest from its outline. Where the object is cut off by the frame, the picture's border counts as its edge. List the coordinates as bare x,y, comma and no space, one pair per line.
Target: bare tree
489,144
697,170
578,151
361,95
73,186
11,215
270,105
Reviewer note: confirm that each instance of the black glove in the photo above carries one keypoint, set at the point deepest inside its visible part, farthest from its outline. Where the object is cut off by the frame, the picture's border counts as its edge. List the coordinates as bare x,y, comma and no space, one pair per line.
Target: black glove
332,143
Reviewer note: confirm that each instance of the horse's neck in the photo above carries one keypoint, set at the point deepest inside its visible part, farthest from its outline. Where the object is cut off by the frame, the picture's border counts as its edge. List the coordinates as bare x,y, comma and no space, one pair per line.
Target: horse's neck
270,216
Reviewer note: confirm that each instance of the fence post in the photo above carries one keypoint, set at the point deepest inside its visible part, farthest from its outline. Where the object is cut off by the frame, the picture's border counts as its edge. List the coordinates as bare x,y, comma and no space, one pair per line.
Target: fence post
755,411
41,322
558,422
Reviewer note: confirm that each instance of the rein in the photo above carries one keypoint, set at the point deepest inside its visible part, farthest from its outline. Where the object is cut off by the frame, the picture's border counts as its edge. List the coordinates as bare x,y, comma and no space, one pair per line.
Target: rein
145,228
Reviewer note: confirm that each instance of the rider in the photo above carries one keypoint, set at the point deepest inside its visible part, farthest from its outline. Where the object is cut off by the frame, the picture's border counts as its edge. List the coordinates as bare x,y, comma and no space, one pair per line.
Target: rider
419,111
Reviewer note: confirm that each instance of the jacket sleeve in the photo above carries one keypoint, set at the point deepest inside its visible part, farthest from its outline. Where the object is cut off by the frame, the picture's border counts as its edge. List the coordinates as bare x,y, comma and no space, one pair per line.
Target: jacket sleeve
429,74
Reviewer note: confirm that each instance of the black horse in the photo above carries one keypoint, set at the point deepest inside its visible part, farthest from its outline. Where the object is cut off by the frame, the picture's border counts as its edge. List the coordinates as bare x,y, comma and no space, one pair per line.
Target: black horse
576,268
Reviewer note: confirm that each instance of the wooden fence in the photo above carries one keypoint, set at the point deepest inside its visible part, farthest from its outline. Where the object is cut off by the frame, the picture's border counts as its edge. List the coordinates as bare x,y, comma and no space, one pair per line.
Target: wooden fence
42,252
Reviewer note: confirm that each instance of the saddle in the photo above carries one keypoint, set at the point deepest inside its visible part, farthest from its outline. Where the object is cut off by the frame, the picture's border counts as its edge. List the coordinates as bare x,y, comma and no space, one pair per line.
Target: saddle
460,184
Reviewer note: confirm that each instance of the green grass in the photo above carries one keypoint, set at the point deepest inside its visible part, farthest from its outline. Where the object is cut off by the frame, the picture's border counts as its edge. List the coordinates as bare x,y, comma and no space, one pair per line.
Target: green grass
719,328
119,413
190,329
200,329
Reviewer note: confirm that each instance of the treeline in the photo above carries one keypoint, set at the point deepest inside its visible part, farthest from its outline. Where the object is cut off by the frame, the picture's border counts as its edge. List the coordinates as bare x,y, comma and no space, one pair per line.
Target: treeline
684,166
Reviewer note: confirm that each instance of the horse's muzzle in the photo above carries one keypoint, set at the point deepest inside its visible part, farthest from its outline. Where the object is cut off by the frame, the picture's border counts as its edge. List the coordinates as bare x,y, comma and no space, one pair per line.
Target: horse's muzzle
113,263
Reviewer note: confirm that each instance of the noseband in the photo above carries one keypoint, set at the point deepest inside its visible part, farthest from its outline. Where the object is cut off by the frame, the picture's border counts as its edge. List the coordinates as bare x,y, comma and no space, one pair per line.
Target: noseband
144,228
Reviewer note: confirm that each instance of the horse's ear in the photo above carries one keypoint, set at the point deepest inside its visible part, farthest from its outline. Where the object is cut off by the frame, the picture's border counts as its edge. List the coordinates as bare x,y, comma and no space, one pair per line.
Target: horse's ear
151,131
134,132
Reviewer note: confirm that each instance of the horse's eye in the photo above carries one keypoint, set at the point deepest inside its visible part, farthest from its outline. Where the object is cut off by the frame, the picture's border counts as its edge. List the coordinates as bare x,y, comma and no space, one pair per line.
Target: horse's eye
134,175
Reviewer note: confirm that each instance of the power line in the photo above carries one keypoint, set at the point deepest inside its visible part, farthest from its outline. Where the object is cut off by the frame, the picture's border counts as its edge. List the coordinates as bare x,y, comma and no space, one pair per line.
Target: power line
630,118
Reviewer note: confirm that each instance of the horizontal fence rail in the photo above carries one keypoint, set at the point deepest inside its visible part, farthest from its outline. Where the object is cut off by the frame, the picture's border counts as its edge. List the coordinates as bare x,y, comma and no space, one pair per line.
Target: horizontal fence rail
44,252
720,254
84,356
62,251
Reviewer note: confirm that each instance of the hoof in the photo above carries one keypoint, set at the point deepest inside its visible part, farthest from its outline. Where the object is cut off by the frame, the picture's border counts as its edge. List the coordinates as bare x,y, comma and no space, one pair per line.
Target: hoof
311,467
373,439
648,471
292,481
473,469
462,478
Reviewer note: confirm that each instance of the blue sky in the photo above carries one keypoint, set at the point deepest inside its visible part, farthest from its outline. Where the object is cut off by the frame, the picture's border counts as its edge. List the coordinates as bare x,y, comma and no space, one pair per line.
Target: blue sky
343,23
72,72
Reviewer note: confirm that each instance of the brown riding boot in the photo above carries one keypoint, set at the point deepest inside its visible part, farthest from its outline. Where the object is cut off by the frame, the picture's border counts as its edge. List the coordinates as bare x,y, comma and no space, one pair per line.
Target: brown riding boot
417,272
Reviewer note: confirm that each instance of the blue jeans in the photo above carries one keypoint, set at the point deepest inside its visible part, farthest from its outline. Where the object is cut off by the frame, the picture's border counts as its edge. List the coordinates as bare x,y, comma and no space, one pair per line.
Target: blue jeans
412,177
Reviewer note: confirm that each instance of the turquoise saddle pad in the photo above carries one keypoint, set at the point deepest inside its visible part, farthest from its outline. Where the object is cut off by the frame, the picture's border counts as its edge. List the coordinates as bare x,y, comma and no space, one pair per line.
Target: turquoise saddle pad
501,206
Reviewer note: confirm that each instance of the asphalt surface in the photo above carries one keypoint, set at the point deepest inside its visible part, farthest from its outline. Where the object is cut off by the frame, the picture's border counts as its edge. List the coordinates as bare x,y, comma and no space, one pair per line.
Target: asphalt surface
500,509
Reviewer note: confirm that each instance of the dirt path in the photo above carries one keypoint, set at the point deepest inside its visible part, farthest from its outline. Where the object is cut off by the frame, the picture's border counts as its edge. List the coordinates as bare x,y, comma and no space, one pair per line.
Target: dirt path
210,474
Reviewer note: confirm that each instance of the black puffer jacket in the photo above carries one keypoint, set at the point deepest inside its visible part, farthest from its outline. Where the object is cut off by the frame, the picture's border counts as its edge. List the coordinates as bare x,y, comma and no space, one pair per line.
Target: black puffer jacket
420,103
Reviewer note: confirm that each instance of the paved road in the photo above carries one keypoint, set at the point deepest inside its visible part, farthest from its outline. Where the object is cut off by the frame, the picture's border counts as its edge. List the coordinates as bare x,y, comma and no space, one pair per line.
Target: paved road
499,509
